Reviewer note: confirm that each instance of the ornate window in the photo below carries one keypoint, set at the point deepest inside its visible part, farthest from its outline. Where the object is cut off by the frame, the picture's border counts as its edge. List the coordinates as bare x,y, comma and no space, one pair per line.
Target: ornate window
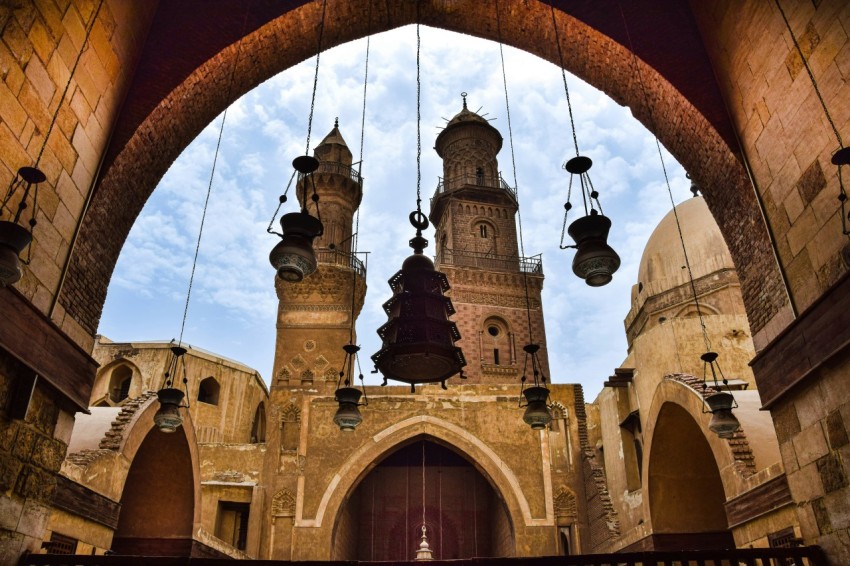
496,342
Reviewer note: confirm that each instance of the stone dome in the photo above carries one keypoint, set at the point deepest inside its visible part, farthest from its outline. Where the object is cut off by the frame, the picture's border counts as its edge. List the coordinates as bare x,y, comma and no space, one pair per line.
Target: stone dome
662,266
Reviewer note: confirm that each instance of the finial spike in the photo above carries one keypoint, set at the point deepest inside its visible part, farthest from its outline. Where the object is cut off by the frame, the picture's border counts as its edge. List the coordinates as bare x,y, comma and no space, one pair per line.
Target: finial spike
463,94
336,122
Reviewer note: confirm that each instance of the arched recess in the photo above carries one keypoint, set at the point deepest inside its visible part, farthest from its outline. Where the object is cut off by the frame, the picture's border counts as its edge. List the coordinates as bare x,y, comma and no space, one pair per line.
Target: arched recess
685,496
160,499
116,382
136,166
464,515
364,459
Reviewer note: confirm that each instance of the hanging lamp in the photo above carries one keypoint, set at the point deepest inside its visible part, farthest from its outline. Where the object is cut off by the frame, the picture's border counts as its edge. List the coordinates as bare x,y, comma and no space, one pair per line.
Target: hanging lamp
716,401
535,398
419,339
841,157
595,261
293,258
14,236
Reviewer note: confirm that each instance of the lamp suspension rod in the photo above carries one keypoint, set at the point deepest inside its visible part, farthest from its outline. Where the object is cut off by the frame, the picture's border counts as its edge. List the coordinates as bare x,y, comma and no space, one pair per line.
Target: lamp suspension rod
418,117
666,180
316,75
363,120
423,483
68,83
210,184
564,75
513,168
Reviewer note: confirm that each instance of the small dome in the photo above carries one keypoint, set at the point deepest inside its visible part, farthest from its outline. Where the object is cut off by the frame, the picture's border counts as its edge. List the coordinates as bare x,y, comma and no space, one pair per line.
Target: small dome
333,148
465,115
461,122
662,266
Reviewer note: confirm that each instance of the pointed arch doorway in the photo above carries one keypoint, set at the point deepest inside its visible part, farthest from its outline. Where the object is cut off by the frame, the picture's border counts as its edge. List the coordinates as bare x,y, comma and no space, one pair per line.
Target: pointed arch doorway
464,515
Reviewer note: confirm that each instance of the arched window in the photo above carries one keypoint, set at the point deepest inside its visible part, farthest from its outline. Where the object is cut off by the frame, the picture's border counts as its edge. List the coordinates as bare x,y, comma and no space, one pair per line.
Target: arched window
119,383
258,429
208,391
496,347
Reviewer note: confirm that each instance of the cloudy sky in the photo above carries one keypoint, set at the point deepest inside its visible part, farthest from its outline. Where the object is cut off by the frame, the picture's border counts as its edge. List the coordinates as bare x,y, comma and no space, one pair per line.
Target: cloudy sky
233,303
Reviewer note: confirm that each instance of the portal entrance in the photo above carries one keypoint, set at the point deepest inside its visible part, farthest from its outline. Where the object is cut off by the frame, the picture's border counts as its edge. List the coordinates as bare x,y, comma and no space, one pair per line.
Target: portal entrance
464,515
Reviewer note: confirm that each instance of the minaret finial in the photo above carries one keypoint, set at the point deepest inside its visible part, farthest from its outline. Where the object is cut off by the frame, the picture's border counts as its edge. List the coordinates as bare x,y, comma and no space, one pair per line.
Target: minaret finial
463,94
336,122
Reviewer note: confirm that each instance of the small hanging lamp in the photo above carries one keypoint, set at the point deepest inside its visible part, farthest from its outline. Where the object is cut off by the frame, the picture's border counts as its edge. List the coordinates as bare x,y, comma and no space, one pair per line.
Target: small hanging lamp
595,261
537,414
167,417
14,237
419,339
293,258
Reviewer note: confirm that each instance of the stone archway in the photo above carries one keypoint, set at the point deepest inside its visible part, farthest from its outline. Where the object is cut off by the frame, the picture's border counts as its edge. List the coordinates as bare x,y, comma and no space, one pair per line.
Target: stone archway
158,502
382,517
694,139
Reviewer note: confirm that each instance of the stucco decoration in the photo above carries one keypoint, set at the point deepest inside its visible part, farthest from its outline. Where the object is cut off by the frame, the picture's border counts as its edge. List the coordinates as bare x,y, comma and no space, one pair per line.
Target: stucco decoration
290,414
283,504
565,503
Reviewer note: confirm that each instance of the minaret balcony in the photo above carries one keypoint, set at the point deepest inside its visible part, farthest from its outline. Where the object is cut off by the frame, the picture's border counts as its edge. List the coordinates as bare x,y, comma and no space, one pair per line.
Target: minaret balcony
482,260
339,258
338,168
486,182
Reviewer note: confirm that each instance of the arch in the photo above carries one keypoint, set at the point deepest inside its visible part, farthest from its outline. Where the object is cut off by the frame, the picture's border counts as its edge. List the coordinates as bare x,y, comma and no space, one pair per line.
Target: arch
208,391
365,458
690,310
176,117
670,393
116,382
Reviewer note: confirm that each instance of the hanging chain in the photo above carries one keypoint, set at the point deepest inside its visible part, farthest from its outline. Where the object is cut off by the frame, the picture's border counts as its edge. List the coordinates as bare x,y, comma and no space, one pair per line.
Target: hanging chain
667,182
316,76
418,118
423,486
564,75
68,84
210,184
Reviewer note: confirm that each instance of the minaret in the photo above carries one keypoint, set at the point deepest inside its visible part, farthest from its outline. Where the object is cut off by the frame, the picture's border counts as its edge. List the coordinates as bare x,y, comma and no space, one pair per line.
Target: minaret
314,316
313,324
474,212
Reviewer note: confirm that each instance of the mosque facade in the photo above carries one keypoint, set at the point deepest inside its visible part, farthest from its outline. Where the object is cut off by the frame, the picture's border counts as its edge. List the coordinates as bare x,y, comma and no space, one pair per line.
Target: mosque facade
261,471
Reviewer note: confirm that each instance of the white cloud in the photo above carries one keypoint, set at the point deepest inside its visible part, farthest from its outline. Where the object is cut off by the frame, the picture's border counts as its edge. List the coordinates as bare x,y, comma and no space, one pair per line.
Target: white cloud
234,305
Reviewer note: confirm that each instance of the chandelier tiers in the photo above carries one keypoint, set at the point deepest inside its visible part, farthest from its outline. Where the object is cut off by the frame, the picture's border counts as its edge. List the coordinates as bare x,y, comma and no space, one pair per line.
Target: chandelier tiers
419,339
293,257
595,261
14,238
167,417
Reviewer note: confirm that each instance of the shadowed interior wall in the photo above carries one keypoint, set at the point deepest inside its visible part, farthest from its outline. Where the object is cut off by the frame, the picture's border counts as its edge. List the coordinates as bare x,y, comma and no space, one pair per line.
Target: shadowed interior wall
463,514
158,499
685,490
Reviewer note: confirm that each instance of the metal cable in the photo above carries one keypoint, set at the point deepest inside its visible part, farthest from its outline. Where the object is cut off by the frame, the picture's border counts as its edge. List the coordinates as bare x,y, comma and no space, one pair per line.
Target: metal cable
564,75
68,84
316,75
666,180
212,176
418,118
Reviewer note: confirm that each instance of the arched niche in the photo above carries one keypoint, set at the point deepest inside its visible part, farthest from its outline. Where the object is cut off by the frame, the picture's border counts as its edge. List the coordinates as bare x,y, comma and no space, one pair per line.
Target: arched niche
158,502
423,477
688,128
115,383
208,391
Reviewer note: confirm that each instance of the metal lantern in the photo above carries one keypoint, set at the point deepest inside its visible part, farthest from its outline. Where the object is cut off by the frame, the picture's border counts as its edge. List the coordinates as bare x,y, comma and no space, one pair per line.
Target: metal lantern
14,238
293,257
723,423
348,416
419,339
537,414
595,261
168,418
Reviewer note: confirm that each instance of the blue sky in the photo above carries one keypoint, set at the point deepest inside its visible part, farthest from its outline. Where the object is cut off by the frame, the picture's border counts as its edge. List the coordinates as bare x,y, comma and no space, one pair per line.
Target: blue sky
233,303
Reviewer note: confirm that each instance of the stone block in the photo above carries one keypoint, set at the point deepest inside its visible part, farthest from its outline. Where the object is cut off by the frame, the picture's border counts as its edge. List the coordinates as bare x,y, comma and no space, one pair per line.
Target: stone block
42,42
24,443
821,516
10,512
41,82
785,422
805,484
810,444
33,519
35,484
836,432
10,547
832,473
811,406
10,468
48,454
